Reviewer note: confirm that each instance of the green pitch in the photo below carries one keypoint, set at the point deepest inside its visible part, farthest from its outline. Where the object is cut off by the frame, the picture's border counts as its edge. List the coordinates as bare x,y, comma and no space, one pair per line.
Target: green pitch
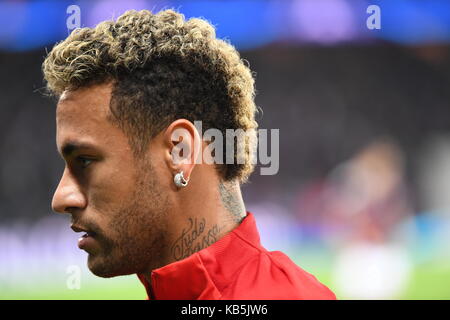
428,281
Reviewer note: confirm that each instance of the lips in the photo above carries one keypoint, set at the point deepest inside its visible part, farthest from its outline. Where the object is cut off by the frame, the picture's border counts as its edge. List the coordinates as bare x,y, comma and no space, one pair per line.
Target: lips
77,229
88,234
87,239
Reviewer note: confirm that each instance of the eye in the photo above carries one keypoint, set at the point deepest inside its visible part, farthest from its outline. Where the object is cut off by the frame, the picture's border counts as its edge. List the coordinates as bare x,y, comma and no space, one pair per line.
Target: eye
84,162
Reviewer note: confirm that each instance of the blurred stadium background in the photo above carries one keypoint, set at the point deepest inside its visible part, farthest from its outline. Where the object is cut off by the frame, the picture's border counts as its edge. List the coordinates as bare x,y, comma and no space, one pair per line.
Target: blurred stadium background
362,196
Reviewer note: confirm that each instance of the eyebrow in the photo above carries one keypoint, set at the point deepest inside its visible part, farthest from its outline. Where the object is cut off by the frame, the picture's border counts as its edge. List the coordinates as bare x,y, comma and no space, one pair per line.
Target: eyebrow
69,147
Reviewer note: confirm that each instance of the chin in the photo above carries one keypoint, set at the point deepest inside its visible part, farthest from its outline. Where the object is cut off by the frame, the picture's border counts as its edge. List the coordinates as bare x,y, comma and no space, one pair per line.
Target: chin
104,269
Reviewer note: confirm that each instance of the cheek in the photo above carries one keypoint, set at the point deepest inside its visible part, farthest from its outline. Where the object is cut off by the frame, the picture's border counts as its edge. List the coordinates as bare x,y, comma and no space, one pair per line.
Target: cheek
109,190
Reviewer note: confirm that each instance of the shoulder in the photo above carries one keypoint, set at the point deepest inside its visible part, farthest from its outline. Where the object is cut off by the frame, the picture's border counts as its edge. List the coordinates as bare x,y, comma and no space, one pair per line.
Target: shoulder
273,275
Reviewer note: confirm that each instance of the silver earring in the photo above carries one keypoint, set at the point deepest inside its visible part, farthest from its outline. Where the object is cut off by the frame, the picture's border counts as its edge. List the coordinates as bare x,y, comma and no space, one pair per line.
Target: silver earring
179,180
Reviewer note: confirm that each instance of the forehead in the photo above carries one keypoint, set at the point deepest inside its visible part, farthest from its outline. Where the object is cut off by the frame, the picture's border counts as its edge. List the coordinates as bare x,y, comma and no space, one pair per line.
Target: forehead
91,102
82,116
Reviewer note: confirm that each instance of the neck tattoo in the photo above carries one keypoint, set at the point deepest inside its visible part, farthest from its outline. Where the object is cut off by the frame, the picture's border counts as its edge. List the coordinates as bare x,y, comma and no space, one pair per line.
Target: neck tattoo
194,238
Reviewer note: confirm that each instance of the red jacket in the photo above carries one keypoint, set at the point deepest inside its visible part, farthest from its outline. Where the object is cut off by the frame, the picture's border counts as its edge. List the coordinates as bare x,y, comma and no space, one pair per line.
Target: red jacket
235,267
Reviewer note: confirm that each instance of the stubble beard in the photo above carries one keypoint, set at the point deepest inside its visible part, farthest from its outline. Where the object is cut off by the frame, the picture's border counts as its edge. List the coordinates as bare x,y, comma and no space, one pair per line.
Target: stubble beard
138,243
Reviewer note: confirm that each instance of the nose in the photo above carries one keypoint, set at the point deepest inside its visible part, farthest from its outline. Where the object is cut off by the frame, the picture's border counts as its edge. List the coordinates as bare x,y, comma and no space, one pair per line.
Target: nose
68,196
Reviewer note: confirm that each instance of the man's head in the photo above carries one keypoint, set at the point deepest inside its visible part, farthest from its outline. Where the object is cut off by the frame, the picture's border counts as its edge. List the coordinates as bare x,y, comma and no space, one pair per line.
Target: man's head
124,87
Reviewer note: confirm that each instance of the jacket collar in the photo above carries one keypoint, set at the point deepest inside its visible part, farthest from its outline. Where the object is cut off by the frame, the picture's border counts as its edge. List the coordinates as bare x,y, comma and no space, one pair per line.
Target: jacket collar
205,273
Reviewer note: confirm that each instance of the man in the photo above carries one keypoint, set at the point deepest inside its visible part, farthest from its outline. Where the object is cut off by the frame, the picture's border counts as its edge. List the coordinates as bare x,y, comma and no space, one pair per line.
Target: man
125,89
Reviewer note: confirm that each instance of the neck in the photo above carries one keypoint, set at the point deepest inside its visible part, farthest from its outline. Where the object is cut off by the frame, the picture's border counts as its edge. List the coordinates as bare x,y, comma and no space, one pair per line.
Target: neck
205,216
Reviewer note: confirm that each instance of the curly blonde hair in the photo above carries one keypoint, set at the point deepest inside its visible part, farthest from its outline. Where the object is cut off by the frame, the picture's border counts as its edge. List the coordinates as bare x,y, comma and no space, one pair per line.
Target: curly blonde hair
163,68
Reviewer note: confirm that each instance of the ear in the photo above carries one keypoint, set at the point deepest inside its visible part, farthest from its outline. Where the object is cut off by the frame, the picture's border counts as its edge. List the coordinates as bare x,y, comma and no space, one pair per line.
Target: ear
183,143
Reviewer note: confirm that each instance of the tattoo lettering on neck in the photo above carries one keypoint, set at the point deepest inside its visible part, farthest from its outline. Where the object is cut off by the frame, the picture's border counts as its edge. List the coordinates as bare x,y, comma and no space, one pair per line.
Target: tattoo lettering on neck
232,201
194,238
